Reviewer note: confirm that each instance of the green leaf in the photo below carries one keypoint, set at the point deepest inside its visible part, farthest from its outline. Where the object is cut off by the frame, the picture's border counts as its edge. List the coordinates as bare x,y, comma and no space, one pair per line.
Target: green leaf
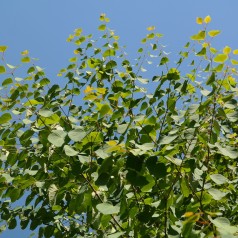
53,119
233,116
107,208
45,113
57,137
216,194
220,58
116,235
7,81
211,79
218,178
32,102
184,188
5,118
109,52
2,69
77,135
70,151
228,151
224,224
52,193
104,110
202,52
166,140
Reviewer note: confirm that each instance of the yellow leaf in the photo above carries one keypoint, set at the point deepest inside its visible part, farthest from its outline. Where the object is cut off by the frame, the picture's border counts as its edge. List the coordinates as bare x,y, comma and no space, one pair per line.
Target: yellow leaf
25,52
207,19
199,20
112,142
76,52
227,50
3,48
150,28
205,45
188,214
88,89
235,52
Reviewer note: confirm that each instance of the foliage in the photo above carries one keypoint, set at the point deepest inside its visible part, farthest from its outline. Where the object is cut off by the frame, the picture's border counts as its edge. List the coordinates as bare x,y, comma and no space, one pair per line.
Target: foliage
98,154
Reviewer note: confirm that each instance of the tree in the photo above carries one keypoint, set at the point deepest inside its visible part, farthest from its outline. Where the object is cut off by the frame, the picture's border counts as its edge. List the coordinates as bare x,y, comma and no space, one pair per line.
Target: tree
100,156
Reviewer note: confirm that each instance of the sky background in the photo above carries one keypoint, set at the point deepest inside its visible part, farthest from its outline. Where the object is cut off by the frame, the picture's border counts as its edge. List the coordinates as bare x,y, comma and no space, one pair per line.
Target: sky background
42,28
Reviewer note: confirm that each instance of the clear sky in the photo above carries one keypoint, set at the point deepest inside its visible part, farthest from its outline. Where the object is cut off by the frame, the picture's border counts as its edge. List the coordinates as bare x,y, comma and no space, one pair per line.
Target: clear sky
42,27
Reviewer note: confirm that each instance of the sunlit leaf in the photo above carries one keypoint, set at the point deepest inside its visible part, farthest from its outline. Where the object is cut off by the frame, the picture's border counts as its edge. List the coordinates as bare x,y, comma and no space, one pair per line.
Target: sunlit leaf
107,208
207,19
220,58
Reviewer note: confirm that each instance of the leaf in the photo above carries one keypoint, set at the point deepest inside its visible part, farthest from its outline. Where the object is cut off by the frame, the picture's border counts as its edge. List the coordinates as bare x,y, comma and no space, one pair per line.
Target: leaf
2,69
7,81
235,52
227,50
146,146
184,188
26,59
227,151
218,178
107,208
234,62
77,135
52,190
214,33
109,52
220,58
216,194
199,20
56,137
150,28
32,102
104,110
53,119
102,27
224,224
200,36
3,48
5,118
70,151
166,140
211,79
207,19
45,113
116,235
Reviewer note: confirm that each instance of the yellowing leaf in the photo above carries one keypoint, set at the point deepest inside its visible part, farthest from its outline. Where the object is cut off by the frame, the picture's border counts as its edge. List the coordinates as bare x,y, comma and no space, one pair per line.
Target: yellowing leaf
25,52
234,62
200,36
78,31
235,52
101,90
199,20
220,58
3,48
227,50
150,28
205,45
188,214
214,33
112,142
207,19
76,52
88,89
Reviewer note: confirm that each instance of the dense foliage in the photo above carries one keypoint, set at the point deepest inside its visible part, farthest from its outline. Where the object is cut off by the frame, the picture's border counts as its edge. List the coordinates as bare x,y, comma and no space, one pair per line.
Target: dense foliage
120,149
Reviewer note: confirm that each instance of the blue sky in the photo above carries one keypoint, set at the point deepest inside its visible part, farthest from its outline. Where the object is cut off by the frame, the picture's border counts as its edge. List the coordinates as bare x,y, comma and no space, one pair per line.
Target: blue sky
42,27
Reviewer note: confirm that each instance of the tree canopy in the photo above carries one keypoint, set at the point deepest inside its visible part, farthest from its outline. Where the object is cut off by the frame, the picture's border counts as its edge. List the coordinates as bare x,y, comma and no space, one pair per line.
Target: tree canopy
120,148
